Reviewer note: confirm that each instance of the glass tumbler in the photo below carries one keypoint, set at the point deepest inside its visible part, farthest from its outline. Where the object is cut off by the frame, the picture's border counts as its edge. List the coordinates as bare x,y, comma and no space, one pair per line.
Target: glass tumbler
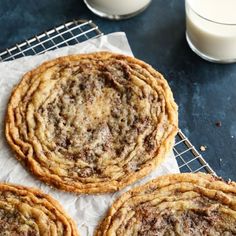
211,29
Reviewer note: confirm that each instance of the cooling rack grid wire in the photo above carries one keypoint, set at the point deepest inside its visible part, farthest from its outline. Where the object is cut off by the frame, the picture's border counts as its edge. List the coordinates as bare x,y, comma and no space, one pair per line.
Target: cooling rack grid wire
67,34
76,31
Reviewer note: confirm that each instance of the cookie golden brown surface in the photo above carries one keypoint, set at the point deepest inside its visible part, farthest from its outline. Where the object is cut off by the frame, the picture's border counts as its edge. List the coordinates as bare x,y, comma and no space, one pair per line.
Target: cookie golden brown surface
91,123
26,211
180,204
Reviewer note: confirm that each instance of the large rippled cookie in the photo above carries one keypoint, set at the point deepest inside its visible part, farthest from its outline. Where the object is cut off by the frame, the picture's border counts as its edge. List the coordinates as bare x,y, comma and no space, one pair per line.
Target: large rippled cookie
91,123
180,204
29,212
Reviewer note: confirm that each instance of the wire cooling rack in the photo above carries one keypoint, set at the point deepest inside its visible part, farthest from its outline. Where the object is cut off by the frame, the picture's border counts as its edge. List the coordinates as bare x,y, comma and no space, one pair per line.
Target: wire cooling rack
67,34
188,158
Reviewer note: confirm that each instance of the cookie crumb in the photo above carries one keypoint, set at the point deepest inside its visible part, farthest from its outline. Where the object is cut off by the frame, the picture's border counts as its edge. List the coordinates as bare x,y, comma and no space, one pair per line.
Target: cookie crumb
218,123
203,148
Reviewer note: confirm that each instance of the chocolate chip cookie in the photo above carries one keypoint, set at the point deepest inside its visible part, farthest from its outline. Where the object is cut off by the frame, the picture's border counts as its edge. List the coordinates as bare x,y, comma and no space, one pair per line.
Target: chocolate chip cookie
92,123
180,204
27,211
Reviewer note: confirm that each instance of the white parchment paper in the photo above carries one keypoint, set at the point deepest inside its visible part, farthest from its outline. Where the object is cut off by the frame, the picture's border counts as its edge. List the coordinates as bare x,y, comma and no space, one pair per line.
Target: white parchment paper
86,210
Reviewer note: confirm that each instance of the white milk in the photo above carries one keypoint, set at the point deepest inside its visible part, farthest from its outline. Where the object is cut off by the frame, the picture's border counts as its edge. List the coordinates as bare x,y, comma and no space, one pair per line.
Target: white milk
214,38
118,7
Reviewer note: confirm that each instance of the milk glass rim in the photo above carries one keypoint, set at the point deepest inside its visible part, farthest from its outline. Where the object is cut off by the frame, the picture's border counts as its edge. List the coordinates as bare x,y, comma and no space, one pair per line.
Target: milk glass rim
207,19
115,16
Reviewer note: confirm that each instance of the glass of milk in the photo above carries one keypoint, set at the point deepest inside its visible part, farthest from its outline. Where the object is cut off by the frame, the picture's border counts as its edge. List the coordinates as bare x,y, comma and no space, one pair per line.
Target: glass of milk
211,29
117,9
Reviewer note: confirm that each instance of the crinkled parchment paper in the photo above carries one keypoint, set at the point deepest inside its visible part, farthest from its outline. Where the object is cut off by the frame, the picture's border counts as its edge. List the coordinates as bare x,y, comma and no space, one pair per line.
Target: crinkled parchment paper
86,210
